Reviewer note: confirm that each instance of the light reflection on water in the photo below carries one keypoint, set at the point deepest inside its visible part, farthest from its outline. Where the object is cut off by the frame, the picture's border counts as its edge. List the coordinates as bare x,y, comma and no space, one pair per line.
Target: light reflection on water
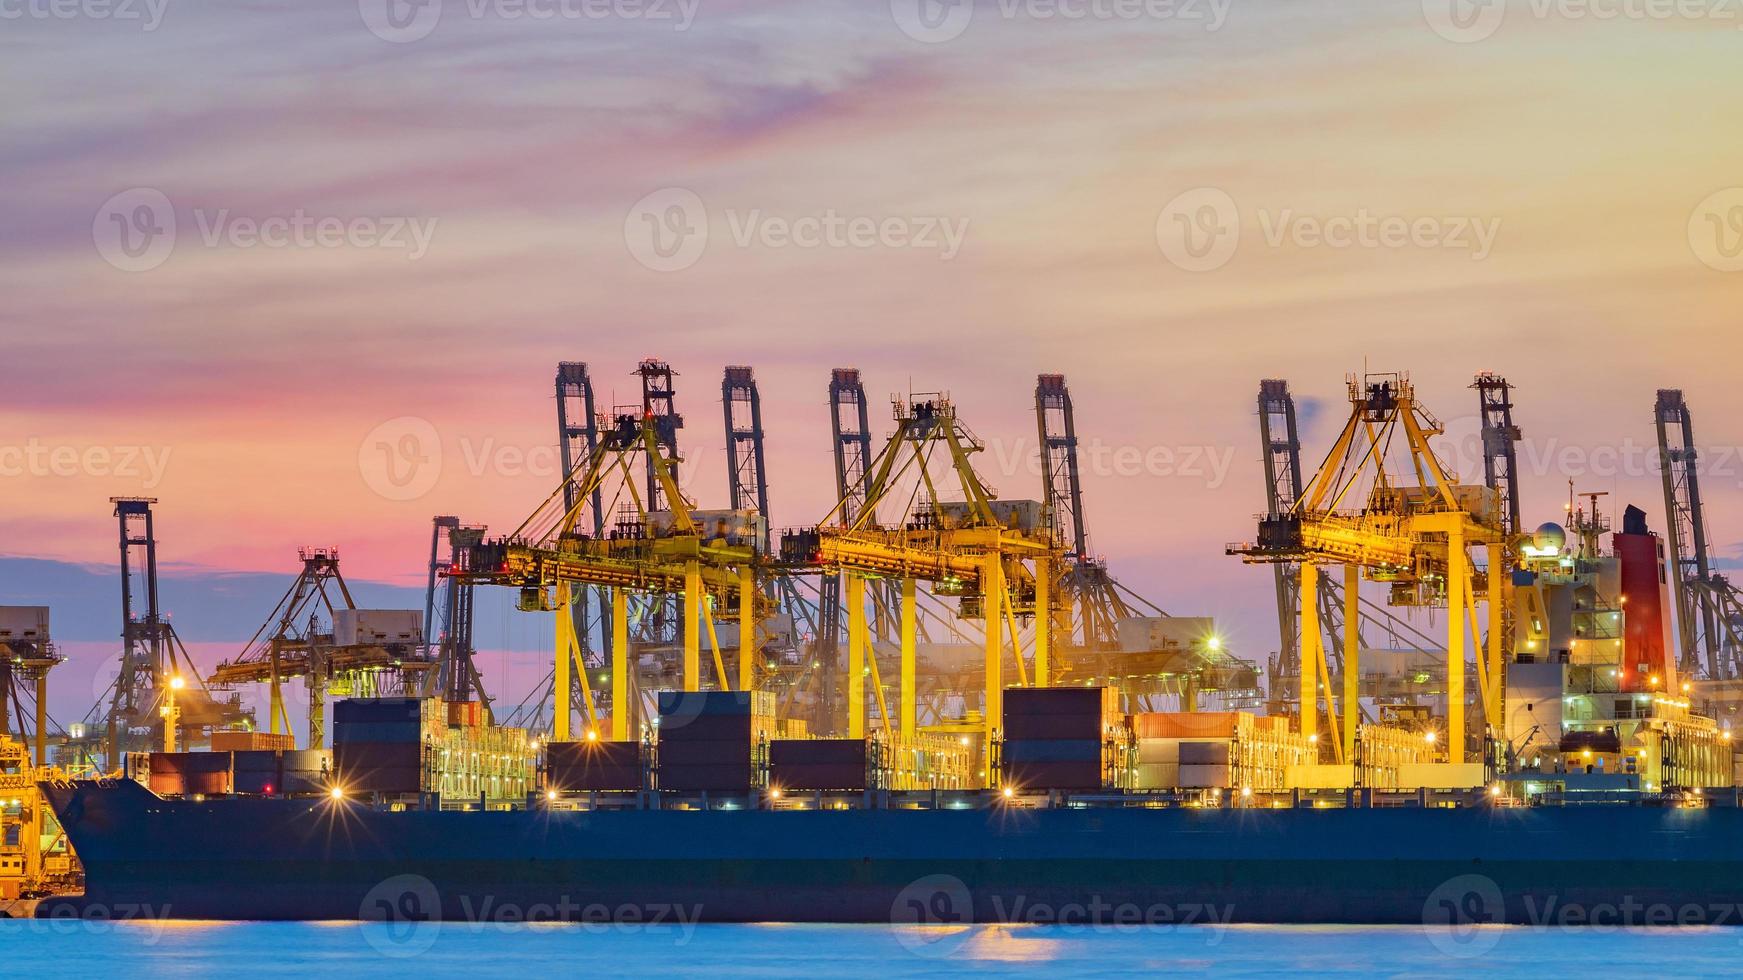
548,952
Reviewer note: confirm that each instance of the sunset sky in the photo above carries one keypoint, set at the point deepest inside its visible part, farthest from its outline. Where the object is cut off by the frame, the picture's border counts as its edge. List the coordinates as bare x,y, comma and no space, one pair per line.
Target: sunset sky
1569,187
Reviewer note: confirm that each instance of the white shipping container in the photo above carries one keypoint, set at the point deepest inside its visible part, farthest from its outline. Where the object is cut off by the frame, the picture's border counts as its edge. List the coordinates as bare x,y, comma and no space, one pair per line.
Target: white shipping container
1206,777
385,627
1157,775
23,623
1153,751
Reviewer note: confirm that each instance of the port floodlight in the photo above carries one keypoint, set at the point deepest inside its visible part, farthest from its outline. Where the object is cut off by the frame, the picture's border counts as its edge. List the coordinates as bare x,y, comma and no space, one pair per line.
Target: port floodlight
592,736
337,792
775,792
1214,643
551,795
1430,738
1246,792
1009,792
177,683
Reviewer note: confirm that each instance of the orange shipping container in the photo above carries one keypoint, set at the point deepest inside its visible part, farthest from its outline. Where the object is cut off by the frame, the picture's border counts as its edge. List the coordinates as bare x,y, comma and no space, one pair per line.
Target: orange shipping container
1189,724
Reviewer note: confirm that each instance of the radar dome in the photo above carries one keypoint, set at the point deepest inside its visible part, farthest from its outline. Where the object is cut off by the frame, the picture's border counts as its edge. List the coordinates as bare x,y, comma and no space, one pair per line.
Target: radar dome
1549,538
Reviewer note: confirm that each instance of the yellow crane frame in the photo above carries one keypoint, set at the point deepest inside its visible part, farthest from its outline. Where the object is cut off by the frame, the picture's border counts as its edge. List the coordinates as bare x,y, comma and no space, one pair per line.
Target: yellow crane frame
1412,536
978,554
556,559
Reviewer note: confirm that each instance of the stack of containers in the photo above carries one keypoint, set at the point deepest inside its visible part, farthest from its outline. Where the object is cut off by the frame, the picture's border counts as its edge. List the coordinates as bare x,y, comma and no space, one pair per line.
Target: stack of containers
379,744
806,765
708,739
1215,750
594,766
190,773
1063,738
279,773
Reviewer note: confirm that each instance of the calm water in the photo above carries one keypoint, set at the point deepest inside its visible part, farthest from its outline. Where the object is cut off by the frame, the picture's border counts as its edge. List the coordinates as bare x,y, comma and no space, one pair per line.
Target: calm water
353,951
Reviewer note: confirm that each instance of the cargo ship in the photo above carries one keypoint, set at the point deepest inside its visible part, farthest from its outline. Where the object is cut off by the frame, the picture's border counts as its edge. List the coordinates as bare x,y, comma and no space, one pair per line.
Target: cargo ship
774,832
1590,787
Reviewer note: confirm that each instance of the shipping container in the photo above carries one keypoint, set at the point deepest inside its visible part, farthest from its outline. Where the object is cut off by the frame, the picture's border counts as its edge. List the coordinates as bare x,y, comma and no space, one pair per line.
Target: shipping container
805,777
593,765
1070,776
1204,753
23,624
720,778
409,732
284,773
1206,777
687,753
819,751
252,741
1190,724
378,627
678,704
1054,750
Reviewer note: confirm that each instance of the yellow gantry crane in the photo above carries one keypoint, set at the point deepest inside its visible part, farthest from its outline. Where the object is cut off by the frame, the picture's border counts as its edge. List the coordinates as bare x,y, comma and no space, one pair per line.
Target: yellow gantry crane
996,556
708,558
1416,536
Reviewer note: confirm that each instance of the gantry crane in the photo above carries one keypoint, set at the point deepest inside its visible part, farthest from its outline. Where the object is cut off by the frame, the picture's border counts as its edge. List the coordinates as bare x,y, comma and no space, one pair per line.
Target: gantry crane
301,637
448,624
152,656
27,654
995,557
1091,603
1709,609
1414,536
1280,438
707,559
748,490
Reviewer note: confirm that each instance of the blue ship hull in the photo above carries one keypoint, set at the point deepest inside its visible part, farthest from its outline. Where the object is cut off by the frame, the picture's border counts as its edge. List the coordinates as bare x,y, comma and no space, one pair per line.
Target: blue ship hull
242,858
